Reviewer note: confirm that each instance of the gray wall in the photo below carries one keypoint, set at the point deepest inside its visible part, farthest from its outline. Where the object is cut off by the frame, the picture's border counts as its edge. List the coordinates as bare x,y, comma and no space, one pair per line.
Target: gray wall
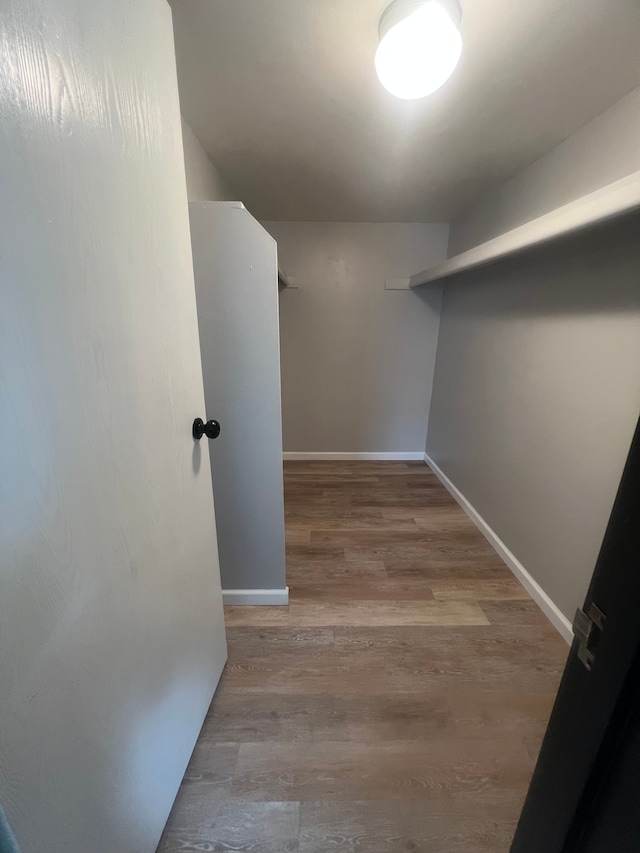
606,149
357,360
236,273
537,381
204,182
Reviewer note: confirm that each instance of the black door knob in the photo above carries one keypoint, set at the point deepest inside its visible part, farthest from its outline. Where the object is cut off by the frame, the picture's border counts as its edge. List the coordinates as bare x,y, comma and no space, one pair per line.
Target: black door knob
211,429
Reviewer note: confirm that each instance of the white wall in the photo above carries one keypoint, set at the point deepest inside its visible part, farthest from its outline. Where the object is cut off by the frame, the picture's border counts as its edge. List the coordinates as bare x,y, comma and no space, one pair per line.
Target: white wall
357,360
604,150
537,381
238,324
204,182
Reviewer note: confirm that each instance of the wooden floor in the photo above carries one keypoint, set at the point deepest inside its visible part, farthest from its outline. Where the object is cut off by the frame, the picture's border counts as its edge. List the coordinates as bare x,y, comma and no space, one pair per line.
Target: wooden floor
397,704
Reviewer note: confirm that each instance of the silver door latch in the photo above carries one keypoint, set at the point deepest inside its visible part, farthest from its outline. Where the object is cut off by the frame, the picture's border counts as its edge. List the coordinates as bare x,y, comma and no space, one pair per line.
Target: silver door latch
587,628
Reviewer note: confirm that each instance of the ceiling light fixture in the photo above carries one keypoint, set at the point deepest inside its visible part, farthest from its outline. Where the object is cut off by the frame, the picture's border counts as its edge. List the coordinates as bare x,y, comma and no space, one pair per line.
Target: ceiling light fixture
420,45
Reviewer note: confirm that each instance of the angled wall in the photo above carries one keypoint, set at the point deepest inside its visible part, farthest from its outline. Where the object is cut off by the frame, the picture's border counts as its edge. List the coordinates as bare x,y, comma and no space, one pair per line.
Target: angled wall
604,150
204,182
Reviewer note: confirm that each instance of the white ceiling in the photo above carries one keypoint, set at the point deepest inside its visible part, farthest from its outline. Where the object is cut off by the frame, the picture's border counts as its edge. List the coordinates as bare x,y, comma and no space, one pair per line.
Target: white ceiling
284,97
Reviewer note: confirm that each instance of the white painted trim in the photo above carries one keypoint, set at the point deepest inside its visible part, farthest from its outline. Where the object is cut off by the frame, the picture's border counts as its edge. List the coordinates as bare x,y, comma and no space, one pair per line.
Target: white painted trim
397,284
238,205
400,456
255,596
609,202
548,607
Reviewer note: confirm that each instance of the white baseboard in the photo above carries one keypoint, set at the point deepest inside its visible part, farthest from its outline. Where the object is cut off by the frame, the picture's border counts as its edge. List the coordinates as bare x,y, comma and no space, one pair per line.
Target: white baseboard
255,596
399,456
548,607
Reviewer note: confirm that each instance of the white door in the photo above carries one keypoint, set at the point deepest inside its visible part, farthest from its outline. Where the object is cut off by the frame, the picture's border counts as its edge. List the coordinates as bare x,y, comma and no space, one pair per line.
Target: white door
111,627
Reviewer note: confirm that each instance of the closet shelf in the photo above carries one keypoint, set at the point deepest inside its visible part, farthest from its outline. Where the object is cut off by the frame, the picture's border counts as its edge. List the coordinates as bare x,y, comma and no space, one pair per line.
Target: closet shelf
288,281
614,200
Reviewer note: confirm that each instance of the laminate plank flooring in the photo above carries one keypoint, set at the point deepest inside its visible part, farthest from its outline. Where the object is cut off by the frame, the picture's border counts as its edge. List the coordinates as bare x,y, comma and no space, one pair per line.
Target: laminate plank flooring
397,704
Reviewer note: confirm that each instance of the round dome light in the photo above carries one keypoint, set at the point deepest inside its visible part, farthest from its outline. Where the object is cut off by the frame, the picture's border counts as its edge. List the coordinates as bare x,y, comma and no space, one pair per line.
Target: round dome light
420,45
